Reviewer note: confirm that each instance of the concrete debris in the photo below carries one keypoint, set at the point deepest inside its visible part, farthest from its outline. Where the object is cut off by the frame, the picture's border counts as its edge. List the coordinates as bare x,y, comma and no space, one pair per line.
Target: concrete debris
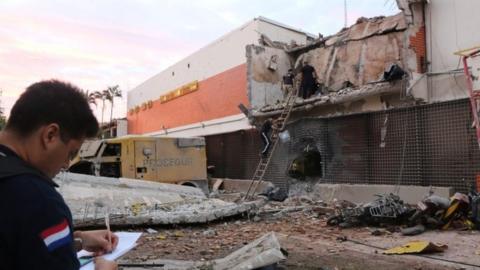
303,233
358,194
333,98
264,251
150,230
385,209
135,202
415,230
266,41
210,232
357,55
433,212
275,194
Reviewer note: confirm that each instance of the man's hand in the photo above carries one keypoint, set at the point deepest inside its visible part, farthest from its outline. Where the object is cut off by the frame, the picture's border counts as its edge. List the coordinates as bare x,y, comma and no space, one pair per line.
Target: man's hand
97,241
102,264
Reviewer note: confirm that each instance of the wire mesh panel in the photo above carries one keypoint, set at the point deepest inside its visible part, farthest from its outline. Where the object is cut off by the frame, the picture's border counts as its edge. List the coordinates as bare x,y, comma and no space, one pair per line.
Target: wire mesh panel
394,148
451,154
346,159
310,137
235,155
421,145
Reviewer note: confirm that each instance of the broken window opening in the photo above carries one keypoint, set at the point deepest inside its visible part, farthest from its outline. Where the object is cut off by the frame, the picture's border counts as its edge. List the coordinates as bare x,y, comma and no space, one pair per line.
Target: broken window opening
83,167
308,164
112,149
110,169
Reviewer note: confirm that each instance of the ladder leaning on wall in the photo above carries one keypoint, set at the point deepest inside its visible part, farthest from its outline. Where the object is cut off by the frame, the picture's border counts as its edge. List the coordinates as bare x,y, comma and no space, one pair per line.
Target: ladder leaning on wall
281,121
473,82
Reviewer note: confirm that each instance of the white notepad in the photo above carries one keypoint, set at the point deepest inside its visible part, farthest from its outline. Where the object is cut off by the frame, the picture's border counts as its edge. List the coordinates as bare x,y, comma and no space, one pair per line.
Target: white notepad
126,241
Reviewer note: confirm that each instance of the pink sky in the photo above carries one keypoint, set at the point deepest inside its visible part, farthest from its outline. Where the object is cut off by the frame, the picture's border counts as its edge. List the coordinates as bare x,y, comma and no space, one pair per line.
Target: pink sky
93,58
103,43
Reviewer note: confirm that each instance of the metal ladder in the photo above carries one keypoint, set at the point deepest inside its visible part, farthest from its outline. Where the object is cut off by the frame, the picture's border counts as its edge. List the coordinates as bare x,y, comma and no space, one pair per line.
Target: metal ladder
474,94
265,161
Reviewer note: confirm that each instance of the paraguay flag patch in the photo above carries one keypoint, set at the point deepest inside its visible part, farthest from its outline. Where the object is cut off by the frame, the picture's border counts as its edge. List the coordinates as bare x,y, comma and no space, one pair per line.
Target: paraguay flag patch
57,235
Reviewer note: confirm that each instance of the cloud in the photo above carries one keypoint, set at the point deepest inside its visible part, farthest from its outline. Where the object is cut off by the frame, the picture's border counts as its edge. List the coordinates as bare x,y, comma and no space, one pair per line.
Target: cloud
99,43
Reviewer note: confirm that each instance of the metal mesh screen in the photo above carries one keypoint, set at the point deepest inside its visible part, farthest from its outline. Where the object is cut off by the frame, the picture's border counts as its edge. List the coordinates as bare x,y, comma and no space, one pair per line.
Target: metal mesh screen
235,155
422,145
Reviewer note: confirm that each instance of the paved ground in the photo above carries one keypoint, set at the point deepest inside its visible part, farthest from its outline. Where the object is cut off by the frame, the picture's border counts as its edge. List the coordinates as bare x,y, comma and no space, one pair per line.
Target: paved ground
309,242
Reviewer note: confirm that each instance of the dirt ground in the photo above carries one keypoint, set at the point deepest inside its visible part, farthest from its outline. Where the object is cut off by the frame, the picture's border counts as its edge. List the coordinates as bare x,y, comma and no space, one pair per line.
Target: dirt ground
310,243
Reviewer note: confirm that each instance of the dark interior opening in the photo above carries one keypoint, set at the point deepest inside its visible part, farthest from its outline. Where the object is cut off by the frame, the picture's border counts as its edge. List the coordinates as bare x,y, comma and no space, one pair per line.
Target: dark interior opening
307,164
112,149
82,167
110,169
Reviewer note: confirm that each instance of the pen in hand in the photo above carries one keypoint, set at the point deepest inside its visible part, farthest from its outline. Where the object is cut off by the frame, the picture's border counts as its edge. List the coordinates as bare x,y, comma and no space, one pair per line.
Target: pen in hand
107,224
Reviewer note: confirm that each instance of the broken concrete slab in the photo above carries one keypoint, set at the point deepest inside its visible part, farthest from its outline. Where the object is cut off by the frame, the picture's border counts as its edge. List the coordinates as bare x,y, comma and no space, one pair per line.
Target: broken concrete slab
335,98
240,185
73,185
135,202
366,193
264,251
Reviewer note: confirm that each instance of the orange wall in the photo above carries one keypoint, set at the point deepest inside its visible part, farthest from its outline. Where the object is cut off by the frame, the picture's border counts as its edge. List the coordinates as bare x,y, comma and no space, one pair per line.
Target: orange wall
216,97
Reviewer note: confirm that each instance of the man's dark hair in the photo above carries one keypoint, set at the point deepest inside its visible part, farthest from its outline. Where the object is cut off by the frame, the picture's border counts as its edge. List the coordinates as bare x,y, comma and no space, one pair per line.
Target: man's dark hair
57,102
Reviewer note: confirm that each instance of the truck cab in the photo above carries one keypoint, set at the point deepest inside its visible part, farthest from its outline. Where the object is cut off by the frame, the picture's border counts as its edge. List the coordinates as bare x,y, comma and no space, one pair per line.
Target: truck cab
161,159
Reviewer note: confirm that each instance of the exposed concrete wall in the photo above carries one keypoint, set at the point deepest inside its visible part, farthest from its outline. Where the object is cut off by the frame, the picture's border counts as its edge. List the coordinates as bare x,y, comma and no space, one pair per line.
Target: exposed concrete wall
265,69
361,53
368,98
366,193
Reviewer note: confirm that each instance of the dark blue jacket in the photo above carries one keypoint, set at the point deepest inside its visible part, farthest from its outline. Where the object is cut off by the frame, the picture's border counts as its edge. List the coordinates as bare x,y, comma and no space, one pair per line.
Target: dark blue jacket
35,223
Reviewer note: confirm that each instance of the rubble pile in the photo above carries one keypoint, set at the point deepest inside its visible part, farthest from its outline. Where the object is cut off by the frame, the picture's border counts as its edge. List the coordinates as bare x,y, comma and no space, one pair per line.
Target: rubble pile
461,211
134,202
386,209
348,94
300,225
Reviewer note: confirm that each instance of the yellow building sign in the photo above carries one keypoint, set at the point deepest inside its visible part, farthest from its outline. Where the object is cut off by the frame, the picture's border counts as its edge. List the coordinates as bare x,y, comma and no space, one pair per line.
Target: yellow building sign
181,91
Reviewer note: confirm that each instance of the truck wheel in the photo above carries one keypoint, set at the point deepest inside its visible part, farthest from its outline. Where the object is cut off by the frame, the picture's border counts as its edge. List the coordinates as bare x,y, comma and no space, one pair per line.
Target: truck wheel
201,184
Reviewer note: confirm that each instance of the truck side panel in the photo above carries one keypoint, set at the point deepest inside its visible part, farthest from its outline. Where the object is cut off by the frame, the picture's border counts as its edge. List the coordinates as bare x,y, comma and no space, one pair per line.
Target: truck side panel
176,164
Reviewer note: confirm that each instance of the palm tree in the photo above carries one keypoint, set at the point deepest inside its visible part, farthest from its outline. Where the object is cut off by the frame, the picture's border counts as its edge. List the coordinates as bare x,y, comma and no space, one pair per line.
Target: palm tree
91,97
111,93
99,95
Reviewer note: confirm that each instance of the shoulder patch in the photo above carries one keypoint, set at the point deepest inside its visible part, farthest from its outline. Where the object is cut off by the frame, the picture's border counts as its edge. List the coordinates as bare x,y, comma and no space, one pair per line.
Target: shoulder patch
57,235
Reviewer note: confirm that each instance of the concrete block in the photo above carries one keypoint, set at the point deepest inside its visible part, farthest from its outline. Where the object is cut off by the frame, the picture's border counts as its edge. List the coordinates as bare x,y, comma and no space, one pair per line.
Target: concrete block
240,185
136,202
366,193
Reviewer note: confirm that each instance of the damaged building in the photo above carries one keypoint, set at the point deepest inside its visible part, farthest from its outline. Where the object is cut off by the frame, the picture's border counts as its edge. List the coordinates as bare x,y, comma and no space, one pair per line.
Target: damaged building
393,106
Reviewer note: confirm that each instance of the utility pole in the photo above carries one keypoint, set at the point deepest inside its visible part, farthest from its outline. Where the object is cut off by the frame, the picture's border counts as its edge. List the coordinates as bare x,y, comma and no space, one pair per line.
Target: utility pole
345,9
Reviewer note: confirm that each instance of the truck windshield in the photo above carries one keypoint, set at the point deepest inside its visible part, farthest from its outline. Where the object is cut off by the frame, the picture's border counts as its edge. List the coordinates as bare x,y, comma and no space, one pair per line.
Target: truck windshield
112,149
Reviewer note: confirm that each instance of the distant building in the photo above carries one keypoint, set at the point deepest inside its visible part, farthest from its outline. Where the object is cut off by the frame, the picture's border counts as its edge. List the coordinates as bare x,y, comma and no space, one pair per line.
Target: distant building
200,95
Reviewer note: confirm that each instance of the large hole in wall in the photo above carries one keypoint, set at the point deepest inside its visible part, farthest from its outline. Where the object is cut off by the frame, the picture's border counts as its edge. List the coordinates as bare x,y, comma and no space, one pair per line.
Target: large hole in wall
308,163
